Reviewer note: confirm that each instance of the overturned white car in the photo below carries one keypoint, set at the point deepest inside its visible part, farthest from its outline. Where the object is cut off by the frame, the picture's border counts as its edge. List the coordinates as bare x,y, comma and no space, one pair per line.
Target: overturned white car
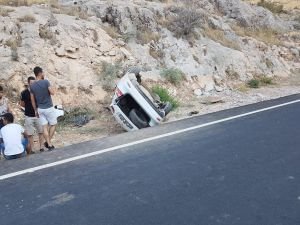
133,105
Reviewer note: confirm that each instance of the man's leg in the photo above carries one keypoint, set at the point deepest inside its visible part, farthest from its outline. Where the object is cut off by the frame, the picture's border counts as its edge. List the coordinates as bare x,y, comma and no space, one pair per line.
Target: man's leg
41,141
52,120
46,135
27,147
52,131
29,128
40,131
30,146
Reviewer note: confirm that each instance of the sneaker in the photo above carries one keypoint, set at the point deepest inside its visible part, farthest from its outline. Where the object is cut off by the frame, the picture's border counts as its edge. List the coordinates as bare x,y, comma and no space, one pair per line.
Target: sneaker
42,150
31,153
51,148
46,144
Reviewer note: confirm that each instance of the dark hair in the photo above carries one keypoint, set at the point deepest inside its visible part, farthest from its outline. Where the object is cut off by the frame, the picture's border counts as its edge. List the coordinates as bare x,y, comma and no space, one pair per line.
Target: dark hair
1,88
29,79
37,70
8,117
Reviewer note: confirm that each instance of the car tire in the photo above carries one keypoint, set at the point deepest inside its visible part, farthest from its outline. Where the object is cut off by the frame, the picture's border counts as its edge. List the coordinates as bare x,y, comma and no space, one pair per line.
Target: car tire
138,119
168,108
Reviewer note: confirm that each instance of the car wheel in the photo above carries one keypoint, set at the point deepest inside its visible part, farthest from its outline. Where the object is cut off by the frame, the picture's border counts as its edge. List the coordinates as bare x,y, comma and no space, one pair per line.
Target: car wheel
168,108
138,119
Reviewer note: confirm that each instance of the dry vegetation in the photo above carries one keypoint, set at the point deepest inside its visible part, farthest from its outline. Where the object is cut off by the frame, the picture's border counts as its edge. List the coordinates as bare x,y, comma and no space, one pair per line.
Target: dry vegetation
75,11
5,12
287,4
146,37
219,36
27,19
22,2
185,21
266,35
111,31
272,6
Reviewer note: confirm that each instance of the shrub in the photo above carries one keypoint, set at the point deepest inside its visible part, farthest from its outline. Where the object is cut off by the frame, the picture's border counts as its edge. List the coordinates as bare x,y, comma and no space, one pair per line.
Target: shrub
173,75
253,83
266,80
75,11
109,73
156,53
144,37
27,19
46,33
165,96
219,36
266,35
271,6
5,12
185,20
111,31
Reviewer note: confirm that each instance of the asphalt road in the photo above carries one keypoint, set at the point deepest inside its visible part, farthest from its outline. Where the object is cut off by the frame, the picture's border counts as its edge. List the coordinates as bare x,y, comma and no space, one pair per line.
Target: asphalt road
243,171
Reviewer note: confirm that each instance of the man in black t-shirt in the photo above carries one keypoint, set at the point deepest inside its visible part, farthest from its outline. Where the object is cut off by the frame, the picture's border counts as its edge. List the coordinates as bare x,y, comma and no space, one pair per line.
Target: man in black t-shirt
32,123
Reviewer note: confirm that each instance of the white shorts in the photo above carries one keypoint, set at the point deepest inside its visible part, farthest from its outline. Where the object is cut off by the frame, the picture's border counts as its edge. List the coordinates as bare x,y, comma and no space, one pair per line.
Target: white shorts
48,116
33,124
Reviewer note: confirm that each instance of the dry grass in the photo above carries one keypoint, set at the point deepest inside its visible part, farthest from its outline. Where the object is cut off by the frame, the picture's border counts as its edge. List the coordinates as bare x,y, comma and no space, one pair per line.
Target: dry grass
185,20
22,2
266,35
46,33
27,19
75,11
5,12
219,36
145,37
272,6
287,4
156,53
111,31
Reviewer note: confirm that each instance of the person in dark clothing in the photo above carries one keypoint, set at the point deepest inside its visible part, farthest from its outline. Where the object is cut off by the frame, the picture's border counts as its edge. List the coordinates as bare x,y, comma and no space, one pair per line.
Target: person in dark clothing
32,123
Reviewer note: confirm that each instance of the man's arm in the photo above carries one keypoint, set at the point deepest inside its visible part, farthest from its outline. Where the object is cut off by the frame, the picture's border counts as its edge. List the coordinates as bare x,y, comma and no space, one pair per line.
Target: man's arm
9,108
34,104
25,134
51,90
22,103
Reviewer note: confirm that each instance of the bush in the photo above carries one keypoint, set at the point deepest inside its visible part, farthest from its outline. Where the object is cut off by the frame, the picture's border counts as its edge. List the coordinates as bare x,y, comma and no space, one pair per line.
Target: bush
5,12
185,20
273,7
144,37
253,83
27,19
173,75
219,36
266,80
266,35
165,96
109,73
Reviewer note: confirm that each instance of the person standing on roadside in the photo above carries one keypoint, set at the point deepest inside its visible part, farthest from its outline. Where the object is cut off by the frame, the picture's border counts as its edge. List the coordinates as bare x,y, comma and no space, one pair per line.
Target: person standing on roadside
32,123
40,92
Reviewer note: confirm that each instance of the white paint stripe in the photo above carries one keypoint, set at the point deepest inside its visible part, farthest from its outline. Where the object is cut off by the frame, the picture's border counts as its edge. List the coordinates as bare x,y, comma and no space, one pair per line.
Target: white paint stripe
33,169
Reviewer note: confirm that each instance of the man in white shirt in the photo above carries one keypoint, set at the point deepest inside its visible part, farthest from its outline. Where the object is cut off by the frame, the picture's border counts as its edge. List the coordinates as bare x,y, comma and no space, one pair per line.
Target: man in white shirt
14,145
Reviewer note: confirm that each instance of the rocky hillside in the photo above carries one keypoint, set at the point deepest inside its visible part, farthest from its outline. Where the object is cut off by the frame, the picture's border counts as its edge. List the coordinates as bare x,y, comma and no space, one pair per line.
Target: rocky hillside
84,46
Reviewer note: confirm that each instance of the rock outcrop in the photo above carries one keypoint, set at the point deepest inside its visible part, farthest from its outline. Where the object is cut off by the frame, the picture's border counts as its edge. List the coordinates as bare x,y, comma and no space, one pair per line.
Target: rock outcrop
71,48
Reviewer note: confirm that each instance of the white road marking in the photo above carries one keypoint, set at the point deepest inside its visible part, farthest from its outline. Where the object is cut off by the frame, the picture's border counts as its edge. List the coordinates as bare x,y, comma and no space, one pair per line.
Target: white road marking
75,158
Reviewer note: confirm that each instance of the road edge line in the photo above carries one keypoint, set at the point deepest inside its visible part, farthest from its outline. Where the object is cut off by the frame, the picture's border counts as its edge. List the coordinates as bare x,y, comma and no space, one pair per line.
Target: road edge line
87,155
